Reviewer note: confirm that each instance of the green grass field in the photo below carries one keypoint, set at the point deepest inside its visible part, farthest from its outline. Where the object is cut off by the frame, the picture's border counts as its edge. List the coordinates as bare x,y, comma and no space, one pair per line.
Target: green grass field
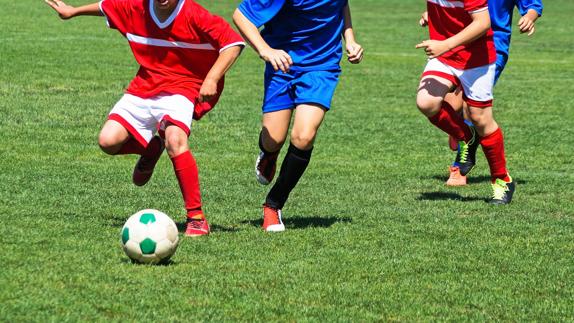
373,233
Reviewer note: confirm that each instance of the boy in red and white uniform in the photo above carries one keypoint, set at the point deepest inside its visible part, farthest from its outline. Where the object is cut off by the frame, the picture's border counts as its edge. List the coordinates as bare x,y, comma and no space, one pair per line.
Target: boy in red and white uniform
183,52
461,53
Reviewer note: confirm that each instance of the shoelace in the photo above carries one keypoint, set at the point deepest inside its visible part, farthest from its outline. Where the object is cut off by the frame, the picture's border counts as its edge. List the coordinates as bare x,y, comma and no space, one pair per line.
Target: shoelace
463,151
196,224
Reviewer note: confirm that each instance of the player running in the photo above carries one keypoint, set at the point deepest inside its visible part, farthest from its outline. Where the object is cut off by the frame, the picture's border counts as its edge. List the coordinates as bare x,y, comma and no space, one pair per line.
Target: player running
461,53
501,12
301,44
183,52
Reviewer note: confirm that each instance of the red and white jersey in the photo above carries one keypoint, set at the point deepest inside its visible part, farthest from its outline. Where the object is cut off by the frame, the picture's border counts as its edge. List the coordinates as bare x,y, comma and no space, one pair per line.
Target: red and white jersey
174,55
449,17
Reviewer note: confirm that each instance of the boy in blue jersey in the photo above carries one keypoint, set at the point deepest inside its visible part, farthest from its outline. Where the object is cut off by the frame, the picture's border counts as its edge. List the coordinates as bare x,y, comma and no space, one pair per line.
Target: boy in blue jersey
501,12
302,47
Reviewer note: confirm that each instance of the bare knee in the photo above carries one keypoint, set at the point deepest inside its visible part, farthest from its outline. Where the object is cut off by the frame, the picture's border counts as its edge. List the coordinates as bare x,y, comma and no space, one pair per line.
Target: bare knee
109,144
176,143
429,106
303,139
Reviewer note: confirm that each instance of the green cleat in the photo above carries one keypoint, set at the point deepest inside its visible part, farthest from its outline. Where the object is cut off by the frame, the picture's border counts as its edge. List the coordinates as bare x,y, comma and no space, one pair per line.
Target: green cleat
466,155
502,192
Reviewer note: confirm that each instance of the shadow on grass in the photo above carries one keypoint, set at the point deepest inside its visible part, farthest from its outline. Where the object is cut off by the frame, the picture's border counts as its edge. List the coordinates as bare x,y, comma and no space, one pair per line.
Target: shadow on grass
304,222
163,263
476,179
443,196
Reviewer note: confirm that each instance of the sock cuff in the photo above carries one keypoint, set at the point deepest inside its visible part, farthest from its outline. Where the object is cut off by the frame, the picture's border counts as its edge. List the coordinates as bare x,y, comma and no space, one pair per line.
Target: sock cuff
303,154
491,138
182,160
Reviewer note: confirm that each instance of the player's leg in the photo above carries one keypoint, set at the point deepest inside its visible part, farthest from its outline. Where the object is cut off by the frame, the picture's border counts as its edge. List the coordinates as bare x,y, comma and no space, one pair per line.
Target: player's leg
273,133
478,85
456,101
277,106
175,114
308,118
436,82
129,130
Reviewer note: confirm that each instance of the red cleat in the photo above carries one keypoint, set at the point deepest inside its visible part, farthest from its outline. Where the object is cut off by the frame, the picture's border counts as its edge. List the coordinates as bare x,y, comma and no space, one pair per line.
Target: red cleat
455,178
272,221
197,226
145,165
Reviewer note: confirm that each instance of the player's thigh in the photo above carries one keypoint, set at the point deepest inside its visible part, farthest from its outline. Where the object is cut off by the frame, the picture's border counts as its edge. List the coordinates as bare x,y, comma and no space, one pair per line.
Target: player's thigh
308,119
112,136
275,126
455,99
437,80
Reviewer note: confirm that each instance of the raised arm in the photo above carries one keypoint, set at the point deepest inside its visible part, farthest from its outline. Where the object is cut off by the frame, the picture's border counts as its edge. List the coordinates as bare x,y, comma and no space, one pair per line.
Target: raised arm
476,29
354,50
66,11
279,59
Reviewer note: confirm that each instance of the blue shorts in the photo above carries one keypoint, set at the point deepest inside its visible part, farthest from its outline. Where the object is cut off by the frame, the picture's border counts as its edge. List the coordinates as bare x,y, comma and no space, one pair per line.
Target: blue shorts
287,90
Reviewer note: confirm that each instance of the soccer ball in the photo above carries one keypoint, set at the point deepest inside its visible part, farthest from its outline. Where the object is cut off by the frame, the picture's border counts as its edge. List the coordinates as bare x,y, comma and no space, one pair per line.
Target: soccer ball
149,237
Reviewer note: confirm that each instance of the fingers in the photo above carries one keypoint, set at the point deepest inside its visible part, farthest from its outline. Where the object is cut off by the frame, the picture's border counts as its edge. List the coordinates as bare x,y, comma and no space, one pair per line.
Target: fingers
281,61
423,44
532,31
355,54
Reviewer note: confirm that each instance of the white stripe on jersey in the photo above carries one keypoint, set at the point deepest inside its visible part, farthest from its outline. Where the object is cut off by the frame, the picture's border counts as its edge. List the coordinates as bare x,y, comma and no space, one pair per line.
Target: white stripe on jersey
448,4
478,10
166,43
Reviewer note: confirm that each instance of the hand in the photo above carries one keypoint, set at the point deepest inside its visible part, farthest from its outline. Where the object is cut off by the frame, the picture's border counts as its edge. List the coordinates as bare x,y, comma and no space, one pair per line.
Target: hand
279,59
424,21
64,11
526,23
434,48
208,90
354,52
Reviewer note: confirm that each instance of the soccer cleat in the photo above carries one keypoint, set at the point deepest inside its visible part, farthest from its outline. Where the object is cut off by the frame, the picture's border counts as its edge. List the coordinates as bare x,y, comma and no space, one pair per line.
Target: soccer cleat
197,226
466,155
265,167
272,221
145,165
452,143
502,192
455,178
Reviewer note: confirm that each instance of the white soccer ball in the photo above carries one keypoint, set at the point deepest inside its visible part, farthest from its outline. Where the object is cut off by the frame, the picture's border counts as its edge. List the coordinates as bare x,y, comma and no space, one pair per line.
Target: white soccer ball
149,237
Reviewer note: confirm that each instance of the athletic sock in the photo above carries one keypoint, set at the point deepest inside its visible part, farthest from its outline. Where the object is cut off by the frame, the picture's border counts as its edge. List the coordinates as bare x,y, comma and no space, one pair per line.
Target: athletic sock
133,146
451,122
186,172
493,147
293,167
265,151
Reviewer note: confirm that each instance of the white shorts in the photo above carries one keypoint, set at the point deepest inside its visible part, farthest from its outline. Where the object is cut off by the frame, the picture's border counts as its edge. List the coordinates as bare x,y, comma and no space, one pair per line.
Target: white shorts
143,117
476,83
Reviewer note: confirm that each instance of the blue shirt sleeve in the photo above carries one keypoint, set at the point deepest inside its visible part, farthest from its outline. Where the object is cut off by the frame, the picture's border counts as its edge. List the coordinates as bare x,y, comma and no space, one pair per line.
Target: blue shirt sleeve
525,5
260,12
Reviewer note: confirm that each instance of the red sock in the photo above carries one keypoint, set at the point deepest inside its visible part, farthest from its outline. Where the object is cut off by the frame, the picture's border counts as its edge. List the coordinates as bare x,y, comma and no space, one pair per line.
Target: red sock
188,178
133,146
451,122
493,147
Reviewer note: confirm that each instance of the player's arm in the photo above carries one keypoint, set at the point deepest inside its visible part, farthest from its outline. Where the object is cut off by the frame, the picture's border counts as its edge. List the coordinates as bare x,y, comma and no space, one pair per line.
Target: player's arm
477,28
354,50
424,21
66,11
223,63
279,59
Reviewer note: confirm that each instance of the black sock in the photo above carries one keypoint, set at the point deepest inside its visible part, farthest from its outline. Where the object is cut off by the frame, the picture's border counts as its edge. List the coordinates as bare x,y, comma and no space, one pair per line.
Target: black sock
294,164
265,151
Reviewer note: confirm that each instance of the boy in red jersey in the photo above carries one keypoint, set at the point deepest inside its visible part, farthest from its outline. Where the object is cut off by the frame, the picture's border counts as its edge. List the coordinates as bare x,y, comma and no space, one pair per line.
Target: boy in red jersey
461,53
183,52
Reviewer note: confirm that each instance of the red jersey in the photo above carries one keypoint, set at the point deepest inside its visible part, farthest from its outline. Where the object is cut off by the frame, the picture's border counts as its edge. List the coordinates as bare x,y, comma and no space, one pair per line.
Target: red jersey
174,55
449,17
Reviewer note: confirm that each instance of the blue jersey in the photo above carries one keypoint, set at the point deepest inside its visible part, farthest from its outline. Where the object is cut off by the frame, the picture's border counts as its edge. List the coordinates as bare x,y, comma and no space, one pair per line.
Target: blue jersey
310,31
501,21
